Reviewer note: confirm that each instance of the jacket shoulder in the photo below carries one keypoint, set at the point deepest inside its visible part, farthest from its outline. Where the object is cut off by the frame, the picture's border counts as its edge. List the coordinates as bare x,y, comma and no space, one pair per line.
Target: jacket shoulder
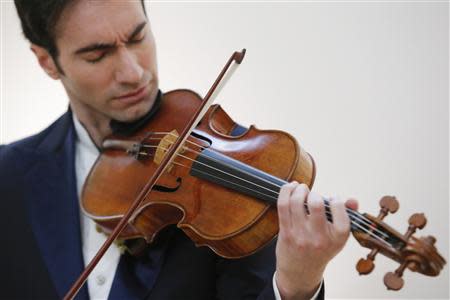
52,137
35,141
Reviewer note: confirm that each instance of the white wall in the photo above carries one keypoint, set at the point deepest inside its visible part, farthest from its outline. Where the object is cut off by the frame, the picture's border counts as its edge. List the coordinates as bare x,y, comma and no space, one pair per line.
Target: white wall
362,85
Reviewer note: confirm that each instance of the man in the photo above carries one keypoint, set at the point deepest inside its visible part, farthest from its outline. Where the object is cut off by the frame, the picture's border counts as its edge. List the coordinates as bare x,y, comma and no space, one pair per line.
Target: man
103,52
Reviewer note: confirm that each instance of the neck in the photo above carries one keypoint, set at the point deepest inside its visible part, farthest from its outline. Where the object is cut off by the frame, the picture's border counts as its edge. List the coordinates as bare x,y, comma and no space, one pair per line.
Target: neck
216,167
96,124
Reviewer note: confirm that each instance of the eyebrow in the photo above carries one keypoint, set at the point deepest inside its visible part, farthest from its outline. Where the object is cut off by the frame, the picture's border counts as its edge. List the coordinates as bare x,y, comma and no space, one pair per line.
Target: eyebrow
103,46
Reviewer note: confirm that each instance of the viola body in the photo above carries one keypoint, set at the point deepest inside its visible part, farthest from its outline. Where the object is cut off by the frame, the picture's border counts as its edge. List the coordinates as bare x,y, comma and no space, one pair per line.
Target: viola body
220,189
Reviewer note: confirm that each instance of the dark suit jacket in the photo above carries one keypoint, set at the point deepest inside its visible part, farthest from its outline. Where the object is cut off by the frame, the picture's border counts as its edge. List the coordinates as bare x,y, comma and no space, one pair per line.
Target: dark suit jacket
41,256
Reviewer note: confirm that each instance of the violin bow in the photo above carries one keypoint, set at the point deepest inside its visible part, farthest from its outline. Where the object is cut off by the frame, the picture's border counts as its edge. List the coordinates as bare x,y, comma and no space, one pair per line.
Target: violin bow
236,57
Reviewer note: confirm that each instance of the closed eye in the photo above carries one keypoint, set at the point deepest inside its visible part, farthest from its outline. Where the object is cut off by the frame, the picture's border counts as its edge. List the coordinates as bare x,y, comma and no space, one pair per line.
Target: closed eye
97,59
137,39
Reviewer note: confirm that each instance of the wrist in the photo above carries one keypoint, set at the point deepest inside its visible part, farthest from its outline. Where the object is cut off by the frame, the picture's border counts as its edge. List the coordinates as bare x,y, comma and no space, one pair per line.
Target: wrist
297,289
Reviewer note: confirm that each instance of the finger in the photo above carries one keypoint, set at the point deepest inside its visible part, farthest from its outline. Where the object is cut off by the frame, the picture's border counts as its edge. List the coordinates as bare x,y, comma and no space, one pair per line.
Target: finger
352,203
341,220
284,214
317,217
297,205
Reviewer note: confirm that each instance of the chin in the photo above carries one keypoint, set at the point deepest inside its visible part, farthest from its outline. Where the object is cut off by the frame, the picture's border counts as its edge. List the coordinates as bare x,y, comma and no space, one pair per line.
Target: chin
133,113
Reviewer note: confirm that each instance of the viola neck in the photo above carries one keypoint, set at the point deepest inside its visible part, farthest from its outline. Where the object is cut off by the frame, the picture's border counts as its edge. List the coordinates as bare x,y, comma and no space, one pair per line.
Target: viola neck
233,174
228,172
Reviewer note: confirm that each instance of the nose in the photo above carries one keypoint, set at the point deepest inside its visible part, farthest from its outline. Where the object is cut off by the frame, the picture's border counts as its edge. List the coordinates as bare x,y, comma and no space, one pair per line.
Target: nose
128,69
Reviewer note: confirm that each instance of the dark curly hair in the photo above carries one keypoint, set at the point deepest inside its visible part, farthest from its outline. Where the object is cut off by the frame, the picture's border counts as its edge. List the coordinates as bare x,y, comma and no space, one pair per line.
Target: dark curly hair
39,19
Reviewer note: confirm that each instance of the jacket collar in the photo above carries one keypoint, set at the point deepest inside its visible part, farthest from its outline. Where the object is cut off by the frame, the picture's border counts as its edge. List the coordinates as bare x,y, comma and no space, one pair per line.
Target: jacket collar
53,206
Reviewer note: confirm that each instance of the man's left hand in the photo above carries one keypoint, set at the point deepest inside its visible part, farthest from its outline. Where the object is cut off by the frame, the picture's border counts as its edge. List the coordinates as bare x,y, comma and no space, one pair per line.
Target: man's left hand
307,241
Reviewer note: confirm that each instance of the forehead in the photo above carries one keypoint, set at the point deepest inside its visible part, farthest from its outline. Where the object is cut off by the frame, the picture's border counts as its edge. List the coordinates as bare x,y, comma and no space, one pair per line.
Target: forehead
88,21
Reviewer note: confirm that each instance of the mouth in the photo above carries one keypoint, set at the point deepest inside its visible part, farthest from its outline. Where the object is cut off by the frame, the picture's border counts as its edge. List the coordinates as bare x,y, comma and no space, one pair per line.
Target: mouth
135,96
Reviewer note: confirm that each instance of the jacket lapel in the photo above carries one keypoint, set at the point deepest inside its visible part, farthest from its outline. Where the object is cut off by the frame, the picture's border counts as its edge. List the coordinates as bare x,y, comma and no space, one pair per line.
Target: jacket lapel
135,277
53,206
54,215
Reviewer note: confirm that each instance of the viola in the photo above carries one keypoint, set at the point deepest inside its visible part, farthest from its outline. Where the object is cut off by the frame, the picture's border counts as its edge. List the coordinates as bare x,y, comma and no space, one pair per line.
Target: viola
221,189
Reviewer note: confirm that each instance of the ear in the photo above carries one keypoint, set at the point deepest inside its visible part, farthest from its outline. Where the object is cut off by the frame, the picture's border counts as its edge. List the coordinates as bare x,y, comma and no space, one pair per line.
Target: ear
45,61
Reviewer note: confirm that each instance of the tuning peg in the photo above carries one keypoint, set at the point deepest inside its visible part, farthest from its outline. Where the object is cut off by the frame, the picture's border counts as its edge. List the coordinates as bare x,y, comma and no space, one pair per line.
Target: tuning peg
388,204
394,280
366,265
416,221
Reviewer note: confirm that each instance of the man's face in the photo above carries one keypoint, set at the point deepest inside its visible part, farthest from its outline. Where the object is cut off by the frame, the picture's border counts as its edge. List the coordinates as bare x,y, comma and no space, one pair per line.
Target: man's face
108,55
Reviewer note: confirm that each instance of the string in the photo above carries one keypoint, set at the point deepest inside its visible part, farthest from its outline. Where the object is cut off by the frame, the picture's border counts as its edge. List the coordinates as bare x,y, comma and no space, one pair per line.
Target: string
198,153
351,212
328,213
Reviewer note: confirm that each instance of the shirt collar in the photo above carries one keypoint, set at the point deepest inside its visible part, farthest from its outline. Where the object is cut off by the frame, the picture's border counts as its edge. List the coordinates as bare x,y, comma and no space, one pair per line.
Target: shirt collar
83,137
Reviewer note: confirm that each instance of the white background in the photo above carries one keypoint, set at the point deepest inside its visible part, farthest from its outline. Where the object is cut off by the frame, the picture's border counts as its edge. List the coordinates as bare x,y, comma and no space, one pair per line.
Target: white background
362,85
